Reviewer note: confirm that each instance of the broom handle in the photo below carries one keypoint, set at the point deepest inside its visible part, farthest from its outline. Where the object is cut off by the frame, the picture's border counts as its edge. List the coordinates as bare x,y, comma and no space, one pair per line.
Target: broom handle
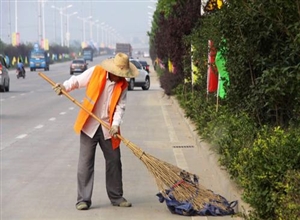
77,103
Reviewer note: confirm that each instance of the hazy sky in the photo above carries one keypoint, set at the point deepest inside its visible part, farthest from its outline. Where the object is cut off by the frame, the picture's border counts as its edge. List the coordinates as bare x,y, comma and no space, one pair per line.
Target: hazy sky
129,18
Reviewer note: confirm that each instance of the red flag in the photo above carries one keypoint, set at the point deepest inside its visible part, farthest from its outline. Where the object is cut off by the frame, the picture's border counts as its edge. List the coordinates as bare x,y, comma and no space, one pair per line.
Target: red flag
212,72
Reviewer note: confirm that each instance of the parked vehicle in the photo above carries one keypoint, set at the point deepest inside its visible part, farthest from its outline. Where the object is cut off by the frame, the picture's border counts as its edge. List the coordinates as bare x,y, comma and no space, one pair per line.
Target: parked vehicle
38,59
145,65
20,73
78,66
4,75
146,54
142,80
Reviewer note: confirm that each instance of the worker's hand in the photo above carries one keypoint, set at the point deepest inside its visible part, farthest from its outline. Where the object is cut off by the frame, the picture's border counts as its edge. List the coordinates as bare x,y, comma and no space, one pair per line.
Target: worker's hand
113,131
58,88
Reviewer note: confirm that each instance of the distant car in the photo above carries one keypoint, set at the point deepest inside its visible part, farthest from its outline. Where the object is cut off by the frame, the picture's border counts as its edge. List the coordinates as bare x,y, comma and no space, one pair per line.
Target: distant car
146,54
142,80
4,75
78,66
145,65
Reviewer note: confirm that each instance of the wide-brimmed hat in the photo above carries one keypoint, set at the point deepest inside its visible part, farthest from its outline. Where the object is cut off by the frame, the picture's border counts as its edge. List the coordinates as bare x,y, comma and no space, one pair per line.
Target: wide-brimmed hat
120,66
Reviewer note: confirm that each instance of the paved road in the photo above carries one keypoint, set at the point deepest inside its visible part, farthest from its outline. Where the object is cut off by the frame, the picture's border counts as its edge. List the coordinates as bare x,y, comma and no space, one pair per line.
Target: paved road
39,153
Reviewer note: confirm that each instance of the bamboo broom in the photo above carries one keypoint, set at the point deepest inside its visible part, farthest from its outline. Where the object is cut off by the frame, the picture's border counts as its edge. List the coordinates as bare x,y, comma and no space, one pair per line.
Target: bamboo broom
183,185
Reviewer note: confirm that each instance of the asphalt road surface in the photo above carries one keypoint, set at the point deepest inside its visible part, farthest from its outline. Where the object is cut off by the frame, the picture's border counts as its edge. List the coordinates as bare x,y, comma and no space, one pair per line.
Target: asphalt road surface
39,153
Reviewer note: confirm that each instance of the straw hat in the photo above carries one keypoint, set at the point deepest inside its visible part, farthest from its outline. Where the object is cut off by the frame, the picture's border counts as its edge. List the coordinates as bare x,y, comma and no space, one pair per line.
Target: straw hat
120,66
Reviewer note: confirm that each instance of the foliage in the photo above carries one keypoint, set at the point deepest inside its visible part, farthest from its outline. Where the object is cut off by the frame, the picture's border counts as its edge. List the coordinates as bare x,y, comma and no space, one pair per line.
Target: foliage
230,134
193,107
290,200
264,169
263,59
262,43
2,46
174,23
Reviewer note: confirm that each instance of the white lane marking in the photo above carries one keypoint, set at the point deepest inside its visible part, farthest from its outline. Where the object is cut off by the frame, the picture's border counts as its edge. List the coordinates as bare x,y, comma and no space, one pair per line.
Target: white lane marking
171,130
2,100
21,136
12,97
179,156
23,93
39,126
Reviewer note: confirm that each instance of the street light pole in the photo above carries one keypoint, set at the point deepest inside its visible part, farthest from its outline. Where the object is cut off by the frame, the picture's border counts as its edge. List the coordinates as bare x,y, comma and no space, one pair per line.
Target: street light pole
43,23
83,25
109,36
61,21
98,34
68,27
91,28
61,30
105,35
16,17
102,33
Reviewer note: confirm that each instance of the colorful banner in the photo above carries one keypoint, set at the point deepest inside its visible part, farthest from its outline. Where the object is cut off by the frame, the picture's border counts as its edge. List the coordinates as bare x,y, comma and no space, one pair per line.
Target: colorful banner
212,72
45,44
15,39
14,60
223,74
170,66
193,67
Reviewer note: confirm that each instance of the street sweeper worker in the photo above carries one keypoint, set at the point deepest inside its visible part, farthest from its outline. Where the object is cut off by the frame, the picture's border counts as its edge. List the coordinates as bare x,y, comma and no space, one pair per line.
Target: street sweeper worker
105,97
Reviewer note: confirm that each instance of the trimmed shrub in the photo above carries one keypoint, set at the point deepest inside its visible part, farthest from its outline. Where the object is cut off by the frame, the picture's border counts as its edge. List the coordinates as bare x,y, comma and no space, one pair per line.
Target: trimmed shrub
264,168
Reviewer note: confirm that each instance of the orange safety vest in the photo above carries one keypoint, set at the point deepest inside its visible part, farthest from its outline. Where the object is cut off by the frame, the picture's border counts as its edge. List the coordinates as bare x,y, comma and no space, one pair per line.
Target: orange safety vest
93,91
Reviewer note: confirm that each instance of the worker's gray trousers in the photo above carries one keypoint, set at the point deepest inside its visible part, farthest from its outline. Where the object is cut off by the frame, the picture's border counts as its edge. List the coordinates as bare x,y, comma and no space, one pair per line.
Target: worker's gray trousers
85,173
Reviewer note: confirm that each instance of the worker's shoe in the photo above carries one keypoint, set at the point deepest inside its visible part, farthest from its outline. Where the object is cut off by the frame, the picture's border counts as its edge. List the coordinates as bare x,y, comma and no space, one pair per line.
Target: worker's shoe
82,206
123,204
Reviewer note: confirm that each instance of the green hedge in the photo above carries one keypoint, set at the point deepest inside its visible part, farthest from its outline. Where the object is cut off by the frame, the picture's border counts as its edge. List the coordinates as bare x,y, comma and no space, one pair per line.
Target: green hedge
255,129
265,172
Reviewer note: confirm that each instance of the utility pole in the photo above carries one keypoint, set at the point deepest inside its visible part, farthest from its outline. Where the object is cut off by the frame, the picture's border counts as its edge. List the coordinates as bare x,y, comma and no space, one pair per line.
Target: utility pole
16,17
61,21
40,37
9,22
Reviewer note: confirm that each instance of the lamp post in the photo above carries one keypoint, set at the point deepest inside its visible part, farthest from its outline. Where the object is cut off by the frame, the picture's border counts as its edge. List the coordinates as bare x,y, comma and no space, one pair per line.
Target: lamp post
61,9
15,39
68,27
43,23
91,28
150,15
102,33
106,28
83,26
113,37
98,25
16,17
110,29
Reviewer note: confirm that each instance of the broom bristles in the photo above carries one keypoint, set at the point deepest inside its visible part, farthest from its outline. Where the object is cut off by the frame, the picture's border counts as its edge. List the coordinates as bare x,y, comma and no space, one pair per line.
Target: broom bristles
183,185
